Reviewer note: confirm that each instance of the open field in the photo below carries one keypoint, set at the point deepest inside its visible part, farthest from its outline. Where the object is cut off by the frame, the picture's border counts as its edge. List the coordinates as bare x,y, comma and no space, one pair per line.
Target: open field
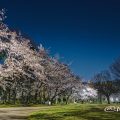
76,112
59,112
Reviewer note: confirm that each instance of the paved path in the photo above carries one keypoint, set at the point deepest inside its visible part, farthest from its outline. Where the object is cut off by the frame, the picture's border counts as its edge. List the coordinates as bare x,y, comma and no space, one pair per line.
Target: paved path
18,113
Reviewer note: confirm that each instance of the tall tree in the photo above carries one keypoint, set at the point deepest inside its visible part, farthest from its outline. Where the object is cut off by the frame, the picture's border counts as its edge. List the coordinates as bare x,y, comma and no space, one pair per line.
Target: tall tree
104,84
115,70
29,74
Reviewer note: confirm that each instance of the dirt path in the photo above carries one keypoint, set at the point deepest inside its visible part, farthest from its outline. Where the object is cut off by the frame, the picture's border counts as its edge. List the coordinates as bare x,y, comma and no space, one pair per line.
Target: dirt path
18,113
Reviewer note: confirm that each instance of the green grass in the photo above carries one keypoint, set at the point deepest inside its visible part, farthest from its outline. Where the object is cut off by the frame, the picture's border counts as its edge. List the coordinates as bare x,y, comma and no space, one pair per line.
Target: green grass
75,112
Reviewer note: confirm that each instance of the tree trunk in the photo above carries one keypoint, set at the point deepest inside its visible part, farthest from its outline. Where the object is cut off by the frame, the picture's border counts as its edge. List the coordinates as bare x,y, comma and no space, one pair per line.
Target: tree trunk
100,98
9,97
14,96
36,96
108,99
40,98
22,98
67,99
56,101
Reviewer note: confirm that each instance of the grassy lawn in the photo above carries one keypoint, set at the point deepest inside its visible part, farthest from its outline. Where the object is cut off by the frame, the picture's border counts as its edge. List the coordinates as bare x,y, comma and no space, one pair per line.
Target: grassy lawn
76,112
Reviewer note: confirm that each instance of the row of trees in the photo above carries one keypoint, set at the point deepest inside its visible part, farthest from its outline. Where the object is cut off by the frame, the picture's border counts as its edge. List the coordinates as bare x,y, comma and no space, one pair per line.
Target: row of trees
29,74
107,83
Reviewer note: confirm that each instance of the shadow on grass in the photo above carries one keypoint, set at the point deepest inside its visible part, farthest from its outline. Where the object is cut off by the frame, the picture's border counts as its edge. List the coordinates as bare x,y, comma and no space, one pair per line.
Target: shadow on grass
90,114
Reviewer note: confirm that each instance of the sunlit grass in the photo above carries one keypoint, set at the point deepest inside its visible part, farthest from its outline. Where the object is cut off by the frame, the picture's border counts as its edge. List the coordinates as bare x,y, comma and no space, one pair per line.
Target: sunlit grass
75,112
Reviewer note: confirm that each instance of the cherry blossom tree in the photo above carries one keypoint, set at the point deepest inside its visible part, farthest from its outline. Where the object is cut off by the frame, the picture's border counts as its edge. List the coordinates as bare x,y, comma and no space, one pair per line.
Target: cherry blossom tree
84,93
22,64
59,78
30,75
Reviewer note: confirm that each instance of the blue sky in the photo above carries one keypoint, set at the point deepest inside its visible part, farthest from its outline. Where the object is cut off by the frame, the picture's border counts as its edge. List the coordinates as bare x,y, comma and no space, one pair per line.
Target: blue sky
86,33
